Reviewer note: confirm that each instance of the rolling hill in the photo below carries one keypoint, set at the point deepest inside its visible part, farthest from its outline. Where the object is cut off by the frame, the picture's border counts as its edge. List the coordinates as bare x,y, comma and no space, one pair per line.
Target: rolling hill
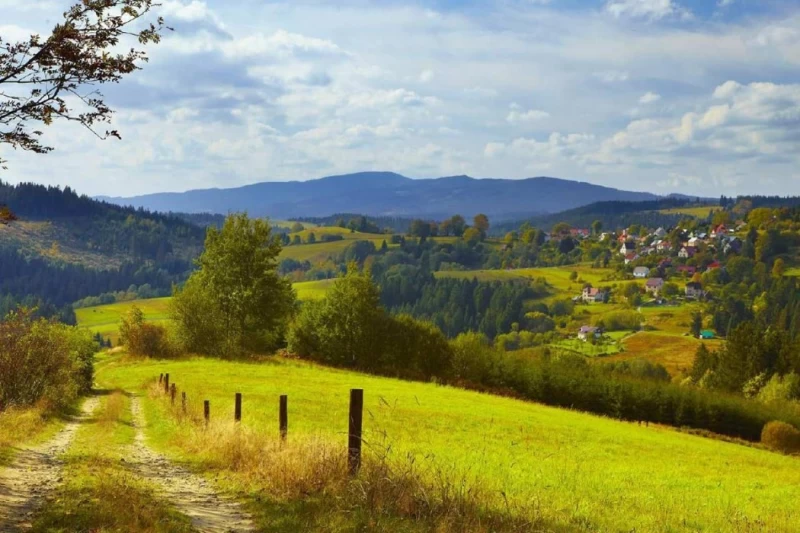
389,194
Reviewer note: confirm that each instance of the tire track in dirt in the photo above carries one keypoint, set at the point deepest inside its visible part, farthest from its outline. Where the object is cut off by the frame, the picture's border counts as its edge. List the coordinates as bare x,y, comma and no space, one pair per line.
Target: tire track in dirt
35,472
191,494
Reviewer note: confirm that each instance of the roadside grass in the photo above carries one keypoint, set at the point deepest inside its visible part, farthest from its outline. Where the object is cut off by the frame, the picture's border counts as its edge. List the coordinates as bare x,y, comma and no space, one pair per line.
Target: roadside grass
30,425
99,494
571,471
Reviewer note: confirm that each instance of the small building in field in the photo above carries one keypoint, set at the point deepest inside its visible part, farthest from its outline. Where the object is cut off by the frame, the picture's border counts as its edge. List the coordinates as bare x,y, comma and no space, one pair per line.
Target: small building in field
654,286
641,272
588,331
707,334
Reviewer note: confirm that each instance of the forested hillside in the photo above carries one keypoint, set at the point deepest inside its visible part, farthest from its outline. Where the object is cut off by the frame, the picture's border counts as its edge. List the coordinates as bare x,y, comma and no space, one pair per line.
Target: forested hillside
77,223
62,247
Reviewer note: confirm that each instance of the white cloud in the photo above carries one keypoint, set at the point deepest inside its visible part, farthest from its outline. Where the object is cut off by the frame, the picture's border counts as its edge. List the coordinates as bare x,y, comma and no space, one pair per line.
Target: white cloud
649,98
515,116
612,76
425,76
646,9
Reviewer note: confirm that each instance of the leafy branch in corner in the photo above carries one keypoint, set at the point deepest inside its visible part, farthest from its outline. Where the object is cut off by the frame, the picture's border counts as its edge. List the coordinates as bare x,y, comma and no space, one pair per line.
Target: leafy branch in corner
47,79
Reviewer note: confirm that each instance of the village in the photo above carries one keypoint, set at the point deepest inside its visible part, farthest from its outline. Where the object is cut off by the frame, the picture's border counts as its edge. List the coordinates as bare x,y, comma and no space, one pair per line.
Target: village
670,264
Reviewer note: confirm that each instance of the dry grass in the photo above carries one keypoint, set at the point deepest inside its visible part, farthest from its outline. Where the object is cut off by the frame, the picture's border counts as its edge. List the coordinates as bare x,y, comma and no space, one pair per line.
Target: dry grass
387,491
28,424
675,353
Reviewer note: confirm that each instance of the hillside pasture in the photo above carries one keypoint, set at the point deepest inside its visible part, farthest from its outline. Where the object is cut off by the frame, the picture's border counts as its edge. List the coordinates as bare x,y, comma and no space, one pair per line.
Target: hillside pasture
701,211
577,472
320,251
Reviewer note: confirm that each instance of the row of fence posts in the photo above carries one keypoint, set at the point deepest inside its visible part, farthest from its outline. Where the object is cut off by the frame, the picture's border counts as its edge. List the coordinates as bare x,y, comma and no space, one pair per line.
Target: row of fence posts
356,417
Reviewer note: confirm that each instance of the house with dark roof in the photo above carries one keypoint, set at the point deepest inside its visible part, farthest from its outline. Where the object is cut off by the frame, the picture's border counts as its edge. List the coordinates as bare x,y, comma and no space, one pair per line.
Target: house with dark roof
688,270
687,252
695,290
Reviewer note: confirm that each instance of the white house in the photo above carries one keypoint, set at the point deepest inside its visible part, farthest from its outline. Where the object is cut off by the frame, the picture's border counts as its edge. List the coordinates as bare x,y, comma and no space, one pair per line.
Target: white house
586,331
627,248
641,272
660,233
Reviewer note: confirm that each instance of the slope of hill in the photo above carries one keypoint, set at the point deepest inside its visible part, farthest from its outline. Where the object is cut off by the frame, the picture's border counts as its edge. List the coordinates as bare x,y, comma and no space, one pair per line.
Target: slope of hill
389,194
576,472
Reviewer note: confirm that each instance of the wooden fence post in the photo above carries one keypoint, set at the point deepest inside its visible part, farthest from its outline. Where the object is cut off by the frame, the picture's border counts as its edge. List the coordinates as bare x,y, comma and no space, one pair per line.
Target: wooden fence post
207,411
283,417
354,432
160,378
183,402
166,383
172,393
237,411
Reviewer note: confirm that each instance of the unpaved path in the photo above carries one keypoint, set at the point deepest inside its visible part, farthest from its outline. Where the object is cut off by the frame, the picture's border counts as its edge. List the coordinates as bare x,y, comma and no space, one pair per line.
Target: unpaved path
35,472
190,494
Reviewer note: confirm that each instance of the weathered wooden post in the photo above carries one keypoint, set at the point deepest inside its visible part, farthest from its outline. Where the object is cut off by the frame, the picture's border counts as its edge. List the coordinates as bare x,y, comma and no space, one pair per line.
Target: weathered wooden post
160,378
283,417
172,392
237,410
166,383
183,402
207,411
354,432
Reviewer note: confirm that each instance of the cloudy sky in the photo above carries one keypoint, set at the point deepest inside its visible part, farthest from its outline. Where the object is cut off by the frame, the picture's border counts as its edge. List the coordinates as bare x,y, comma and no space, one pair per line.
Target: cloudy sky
696,96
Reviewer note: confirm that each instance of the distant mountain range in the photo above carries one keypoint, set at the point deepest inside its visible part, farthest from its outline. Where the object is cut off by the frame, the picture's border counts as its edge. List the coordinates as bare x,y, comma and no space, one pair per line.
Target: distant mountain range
389,194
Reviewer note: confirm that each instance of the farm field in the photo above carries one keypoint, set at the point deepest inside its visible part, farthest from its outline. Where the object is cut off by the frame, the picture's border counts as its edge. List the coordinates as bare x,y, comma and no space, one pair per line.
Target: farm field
558,277
320,251
581,472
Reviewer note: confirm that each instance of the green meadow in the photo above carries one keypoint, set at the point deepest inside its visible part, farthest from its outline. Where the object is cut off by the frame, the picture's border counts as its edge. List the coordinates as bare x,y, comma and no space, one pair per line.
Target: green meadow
579,472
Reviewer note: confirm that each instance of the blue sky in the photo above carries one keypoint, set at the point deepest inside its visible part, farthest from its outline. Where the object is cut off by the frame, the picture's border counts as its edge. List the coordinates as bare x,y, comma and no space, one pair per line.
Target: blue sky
695,96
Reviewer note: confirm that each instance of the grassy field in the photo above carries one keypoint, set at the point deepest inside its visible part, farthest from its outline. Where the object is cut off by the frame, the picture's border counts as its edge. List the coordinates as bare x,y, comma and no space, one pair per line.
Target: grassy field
579,472
312,290
699,212
557,277
320,251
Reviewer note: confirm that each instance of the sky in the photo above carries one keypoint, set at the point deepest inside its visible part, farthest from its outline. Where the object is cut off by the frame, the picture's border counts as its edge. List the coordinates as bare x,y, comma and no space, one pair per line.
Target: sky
691,96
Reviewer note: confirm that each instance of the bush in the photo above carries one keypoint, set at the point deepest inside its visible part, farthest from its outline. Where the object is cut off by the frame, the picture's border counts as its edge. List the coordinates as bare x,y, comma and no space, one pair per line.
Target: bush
781,437
143,339
43,360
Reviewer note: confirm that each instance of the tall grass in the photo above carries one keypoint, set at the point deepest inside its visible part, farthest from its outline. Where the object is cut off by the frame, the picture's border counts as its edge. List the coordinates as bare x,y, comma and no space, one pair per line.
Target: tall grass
387,489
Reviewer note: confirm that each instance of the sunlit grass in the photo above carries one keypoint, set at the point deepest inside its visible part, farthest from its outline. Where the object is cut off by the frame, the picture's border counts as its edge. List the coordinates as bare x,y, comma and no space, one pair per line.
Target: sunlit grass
583,472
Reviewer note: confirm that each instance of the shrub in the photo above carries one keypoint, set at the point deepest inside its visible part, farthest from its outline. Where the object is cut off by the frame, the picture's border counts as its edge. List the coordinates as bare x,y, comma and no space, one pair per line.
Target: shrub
43,360
143,339
782,437
780,388
621,321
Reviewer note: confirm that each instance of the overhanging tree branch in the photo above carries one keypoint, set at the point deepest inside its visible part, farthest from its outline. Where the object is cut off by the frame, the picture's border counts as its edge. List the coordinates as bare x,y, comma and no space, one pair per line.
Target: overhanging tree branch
37,76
